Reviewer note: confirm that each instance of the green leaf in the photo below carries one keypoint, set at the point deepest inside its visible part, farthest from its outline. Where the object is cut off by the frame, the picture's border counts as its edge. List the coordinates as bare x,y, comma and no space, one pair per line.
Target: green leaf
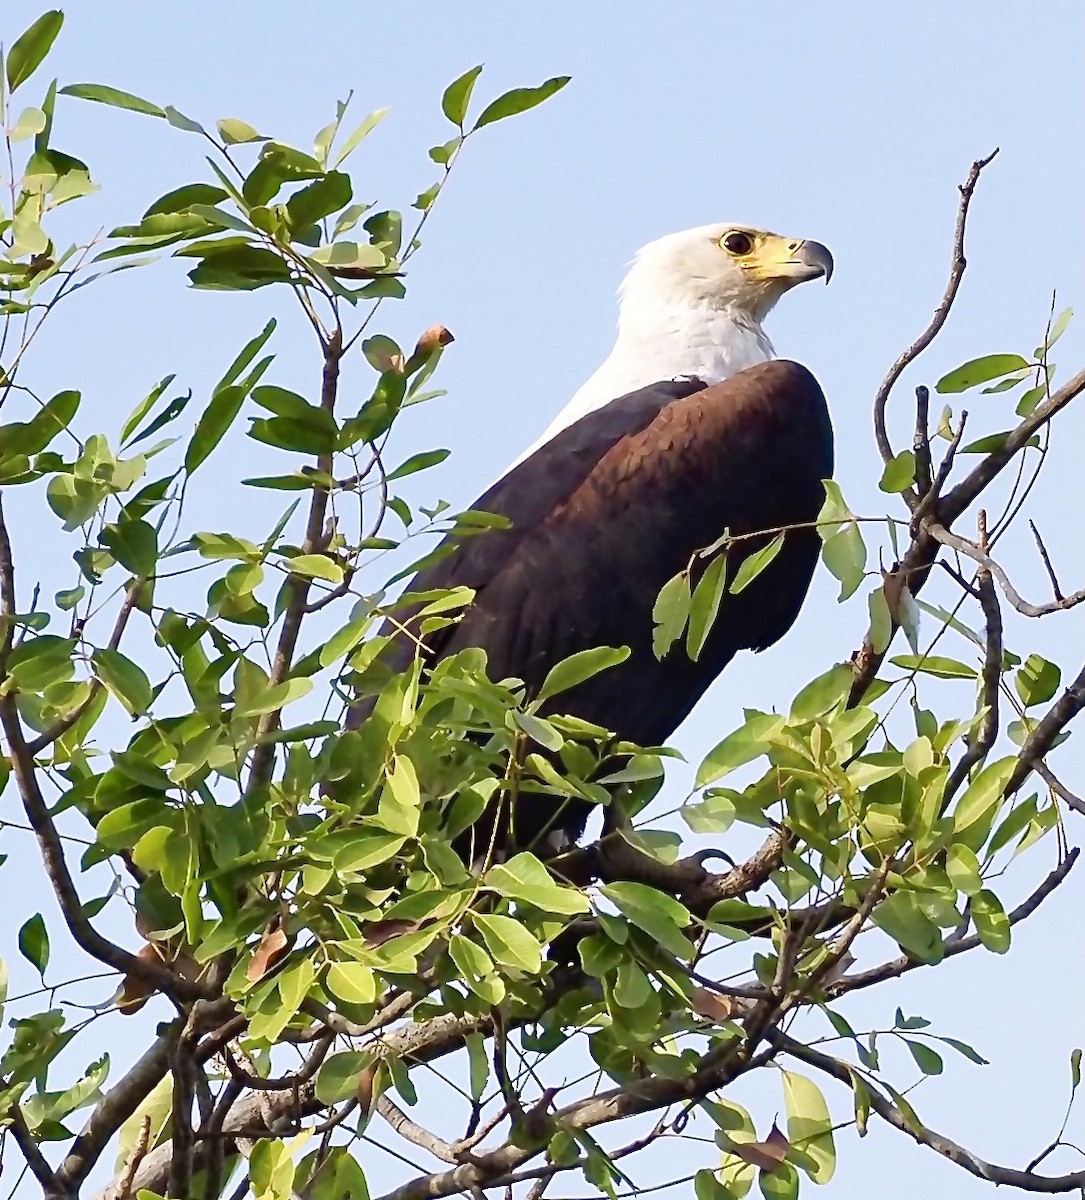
478,1064
362,132
670,613
473,963
981,370
318,200
418,462
339,1076
705,605
510,942
134,544
963,869
114,97
1058,328
519,100
823,693
538,730
993,442
124,679
844,553
976,808
350,254
316,566
273,698
1037,680
183,198
215,420
366,850
457,96
234,132
351,981
965,1049
524,877
30,123
29,50
33,436
578,668
899,472
34,943
179,121
809,1126
660,916
926,1059
930,664
902,919
1029,399
738,748
755,564
992,924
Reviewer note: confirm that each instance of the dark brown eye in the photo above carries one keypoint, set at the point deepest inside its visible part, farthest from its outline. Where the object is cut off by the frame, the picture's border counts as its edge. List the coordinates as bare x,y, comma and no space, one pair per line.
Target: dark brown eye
737,243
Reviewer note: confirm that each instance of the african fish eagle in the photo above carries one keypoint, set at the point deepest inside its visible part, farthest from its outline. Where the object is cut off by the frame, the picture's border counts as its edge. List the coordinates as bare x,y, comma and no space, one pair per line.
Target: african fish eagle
690,428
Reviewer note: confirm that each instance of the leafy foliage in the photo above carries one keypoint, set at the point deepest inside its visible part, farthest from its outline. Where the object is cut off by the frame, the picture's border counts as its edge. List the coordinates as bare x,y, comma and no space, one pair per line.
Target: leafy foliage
290,881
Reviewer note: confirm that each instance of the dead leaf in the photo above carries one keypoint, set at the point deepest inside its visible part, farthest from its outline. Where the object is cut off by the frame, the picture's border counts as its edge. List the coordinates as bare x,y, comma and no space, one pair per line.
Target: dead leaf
271,949
388,362
135,992
435,336
364,1091
768,1155
716,1007
838,970
376,933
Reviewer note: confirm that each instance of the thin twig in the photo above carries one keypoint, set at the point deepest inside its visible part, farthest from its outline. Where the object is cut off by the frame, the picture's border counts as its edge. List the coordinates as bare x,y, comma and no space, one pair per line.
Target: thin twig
981,745
1057,591
921,442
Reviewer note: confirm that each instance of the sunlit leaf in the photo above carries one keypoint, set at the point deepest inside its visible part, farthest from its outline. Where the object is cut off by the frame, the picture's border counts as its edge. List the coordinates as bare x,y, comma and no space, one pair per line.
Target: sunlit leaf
981,370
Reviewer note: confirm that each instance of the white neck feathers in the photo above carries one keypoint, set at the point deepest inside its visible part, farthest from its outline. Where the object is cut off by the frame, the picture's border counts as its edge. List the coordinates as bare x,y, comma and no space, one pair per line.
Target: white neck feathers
662,341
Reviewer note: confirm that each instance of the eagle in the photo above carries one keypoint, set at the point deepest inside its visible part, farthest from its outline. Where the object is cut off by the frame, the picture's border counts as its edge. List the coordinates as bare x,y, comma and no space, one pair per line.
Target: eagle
690,431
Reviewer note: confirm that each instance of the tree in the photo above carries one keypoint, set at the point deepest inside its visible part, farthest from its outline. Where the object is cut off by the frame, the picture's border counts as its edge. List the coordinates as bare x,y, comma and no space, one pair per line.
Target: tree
280,895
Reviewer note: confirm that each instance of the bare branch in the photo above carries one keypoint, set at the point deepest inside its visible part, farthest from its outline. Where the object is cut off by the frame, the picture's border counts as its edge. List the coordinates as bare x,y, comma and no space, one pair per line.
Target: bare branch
298,585
116,1106
921,442
1059,788
56,867
1046,559
981,745
414,1133
52,1186
956,274
970,550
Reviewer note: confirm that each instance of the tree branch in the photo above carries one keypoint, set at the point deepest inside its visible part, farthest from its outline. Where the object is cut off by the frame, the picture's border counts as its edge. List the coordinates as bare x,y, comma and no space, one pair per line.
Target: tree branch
958,1155
56,867
970,550
904,964
956,274
1041,739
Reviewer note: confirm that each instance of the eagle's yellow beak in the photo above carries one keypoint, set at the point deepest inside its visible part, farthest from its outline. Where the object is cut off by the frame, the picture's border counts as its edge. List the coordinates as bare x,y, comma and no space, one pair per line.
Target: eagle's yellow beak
788,260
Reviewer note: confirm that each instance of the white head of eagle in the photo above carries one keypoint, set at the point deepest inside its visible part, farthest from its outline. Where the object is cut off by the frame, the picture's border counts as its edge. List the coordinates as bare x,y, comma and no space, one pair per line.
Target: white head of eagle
693,304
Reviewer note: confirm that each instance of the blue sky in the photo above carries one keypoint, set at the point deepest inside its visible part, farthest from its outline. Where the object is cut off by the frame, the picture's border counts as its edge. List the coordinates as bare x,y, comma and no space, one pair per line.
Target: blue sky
852,125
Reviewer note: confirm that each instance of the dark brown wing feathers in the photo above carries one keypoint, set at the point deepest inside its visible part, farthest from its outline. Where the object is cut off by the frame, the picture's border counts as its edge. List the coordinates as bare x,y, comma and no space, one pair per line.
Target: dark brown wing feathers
611,508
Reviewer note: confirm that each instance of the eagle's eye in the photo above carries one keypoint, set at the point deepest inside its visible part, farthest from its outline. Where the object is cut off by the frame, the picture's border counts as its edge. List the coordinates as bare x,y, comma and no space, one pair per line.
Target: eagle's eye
737,243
